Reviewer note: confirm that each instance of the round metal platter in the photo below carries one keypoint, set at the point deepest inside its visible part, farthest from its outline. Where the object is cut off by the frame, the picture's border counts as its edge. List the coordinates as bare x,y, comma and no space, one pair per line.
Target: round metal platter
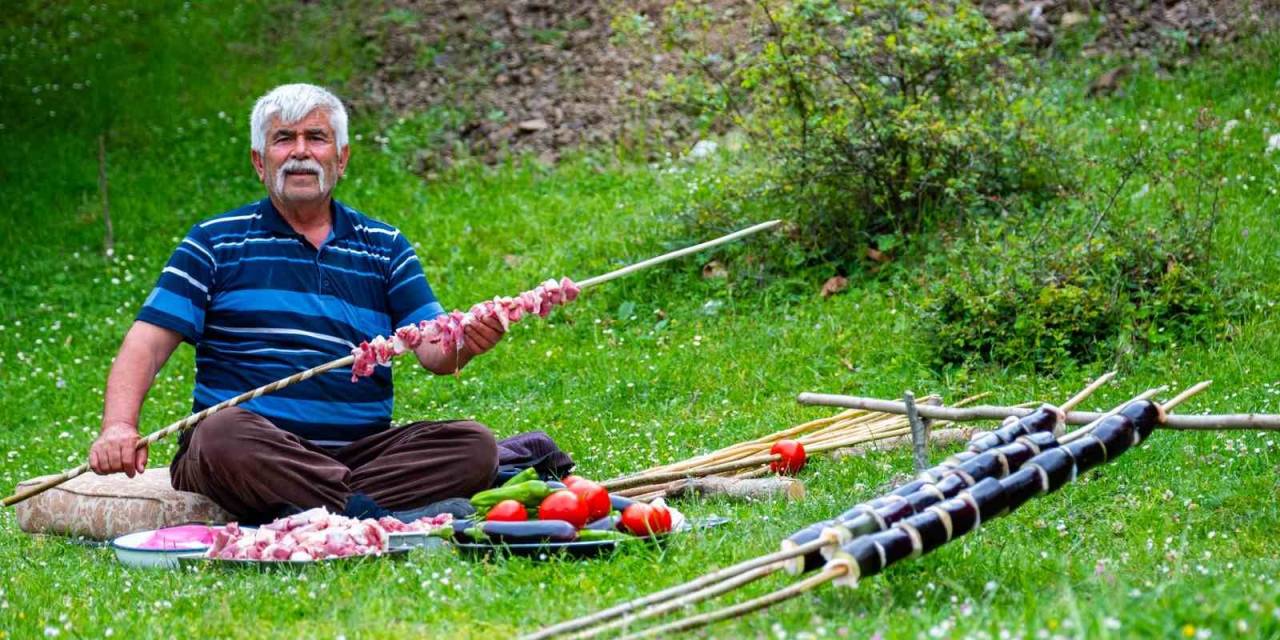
264,565
539,550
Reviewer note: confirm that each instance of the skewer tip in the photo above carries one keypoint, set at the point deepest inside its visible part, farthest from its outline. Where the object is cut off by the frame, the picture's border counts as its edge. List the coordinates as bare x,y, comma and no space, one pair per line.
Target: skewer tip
1187,394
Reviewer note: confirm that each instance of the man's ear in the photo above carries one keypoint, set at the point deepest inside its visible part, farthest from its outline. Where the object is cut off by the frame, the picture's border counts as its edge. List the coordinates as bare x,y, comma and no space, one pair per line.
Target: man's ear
258,165
342,160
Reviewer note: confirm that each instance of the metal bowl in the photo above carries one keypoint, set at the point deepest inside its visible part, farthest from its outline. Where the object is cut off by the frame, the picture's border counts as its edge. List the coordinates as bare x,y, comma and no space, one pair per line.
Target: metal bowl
129,552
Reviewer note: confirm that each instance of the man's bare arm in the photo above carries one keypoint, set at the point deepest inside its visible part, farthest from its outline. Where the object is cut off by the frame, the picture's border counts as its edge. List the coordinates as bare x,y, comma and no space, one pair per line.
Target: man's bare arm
480,337
144,351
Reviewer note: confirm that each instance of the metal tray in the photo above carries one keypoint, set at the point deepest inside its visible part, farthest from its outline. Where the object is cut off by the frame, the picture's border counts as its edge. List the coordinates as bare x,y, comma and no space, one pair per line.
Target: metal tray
265,565
539,550
576,549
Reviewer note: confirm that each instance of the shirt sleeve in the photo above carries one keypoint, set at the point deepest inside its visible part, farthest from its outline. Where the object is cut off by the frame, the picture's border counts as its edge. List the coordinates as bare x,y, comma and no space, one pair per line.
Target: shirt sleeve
410,298
182,293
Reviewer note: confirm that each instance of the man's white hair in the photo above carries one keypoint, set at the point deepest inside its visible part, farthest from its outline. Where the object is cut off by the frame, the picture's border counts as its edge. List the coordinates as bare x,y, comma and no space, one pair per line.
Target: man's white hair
292,102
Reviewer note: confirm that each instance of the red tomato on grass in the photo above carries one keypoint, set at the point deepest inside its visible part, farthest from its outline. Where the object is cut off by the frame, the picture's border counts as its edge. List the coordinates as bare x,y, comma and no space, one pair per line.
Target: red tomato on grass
594,496
564,505
507,511
641,519
791,459
569,481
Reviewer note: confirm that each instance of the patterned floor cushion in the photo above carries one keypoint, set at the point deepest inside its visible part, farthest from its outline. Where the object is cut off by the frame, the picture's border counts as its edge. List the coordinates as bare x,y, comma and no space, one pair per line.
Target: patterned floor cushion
103,507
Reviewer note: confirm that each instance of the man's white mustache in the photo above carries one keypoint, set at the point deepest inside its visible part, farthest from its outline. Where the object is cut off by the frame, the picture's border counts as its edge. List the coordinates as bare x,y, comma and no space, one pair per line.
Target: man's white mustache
293,166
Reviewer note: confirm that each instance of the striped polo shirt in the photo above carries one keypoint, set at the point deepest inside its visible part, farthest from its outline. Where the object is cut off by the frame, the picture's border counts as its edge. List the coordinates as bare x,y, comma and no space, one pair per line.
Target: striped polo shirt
259,303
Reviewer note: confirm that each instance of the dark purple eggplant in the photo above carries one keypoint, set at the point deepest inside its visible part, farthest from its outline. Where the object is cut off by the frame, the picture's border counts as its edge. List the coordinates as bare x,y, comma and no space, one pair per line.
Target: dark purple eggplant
620,503
527,532
607,523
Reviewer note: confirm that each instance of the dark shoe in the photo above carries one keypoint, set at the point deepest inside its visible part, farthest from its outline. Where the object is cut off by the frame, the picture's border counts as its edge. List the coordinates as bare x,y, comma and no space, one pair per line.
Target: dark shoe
360,506
458,507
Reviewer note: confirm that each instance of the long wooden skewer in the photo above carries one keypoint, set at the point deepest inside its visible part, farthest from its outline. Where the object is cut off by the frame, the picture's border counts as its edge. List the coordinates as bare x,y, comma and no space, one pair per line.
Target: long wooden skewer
191,420
1208,422
765,565
743,608
831,573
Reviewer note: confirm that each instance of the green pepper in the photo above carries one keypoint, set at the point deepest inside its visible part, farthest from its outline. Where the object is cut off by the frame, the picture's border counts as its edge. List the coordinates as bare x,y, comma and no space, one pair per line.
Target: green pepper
529,493
523,476
588,535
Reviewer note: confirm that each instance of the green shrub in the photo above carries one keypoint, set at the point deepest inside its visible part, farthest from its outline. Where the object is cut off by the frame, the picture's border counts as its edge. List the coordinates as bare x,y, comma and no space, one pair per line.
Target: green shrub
1095,278
875,118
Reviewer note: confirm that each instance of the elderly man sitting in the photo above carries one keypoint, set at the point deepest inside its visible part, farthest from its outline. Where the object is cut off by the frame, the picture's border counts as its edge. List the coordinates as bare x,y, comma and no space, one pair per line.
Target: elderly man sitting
278,286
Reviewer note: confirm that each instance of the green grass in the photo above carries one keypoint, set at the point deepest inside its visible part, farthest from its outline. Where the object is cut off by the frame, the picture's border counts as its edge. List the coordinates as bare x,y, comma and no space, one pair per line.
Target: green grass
1177,537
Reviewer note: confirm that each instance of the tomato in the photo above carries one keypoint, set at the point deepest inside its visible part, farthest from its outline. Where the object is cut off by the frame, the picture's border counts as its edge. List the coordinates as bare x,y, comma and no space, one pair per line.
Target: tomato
595,497
570,480
661,519
507,511
645,520
792,457
564,505
635,519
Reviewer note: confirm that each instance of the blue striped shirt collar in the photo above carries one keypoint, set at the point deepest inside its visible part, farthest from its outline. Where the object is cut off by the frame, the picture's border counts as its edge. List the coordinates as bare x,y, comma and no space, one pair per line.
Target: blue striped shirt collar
272,221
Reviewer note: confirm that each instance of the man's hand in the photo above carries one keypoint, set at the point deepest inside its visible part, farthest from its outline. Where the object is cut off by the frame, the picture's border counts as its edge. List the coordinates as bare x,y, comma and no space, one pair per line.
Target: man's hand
116,450
482,335
479,336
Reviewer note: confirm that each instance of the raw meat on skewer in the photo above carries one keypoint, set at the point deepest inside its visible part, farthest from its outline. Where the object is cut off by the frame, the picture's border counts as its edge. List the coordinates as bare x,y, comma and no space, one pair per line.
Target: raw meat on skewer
447,330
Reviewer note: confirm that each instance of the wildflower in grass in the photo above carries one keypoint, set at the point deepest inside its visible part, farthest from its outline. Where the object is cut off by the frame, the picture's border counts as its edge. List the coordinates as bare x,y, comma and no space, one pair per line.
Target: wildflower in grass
1188,630
1273,143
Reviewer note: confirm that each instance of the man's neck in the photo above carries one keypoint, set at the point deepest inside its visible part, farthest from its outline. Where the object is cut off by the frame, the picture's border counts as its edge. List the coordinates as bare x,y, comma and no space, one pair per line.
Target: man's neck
311,219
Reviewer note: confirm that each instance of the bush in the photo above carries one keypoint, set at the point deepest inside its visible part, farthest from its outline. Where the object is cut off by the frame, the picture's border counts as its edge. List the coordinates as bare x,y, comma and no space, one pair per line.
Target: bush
875,118
1093,279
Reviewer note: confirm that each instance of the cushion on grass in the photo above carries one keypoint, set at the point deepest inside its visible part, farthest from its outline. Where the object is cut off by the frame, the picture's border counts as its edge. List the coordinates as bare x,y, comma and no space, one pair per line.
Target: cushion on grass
103,507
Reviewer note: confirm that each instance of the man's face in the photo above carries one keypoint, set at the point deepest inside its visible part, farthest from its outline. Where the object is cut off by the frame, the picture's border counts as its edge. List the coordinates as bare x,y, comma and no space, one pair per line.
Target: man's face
302,162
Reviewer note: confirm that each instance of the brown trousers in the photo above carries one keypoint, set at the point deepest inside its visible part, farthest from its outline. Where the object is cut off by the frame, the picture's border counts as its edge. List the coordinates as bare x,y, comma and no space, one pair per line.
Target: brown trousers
257,471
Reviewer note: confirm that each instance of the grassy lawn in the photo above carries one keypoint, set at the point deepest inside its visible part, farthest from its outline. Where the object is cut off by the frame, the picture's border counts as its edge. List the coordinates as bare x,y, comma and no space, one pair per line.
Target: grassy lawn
1175,540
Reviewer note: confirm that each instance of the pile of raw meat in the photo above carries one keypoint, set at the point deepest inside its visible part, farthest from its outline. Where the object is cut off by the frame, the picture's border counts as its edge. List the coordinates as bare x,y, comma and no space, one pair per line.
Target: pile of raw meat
446,330
314,535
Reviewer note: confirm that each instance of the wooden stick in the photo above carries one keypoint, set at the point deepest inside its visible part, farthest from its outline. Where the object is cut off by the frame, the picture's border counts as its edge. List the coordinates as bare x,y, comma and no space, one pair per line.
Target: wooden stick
1067,438
919,443
680,589
740,488
941,437
618,273
1167,407
1185,395
841,420
658,478
183,424
718,460
192,420
1075,400
1213,422
767,600
676,603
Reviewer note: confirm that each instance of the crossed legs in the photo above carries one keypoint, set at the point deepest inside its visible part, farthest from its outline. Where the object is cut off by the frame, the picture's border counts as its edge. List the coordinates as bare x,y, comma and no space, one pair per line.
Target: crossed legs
256,470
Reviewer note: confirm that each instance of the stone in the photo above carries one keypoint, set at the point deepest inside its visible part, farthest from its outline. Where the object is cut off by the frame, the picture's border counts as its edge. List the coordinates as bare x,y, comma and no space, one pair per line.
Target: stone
1072,19
532,126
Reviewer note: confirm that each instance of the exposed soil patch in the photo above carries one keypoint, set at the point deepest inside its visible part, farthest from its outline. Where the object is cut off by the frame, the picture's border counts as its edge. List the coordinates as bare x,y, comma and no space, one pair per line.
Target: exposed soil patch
543,76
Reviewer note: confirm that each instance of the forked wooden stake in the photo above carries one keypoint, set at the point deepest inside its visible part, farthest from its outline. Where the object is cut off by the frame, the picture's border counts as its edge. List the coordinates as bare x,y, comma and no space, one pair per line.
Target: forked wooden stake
192,420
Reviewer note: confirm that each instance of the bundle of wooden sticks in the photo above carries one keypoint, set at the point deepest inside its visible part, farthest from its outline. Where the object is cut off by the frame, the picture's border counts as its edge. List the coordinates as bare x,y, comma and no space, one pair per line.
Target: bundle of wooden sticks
737,470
